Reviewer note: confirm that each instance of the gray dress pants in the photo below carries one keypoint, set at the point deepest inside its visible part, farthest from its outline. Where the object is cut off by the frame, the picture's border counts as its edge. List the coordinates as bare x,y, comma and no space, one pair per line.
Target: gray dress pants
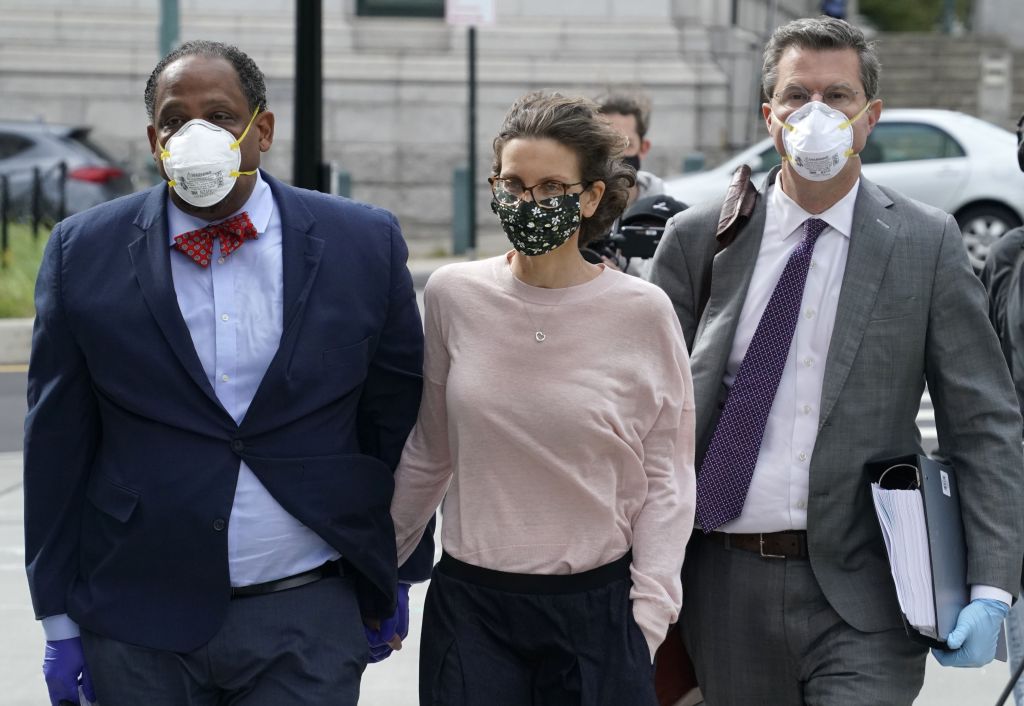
760,632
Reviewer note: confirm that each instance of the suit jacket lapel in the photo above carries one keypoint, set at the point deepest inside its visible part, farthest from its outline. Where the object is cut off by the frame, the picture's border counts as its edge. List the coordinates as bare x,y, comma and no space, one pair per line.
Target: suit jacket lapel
301,254
731,273
871,243
151,259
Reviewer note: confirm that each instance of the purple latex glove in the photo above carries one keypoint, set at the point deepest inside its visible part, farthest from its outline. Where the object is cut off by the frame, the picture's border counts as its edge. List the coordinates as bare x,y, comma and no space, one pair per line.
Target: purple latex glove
397,624
973,641
64,669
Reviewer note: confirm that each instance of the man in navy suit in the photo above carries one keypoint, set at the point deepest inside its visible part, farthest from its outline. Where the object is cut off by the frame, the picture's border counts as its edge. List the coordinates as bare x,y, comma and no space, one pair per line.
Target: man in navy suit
223,376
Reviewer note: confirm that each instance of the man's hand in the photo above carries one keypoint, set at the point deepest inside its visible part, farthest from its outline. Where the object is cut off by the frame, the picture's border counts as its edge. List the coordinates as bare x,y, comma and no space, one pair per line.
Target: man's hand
973,641
385,637
64,669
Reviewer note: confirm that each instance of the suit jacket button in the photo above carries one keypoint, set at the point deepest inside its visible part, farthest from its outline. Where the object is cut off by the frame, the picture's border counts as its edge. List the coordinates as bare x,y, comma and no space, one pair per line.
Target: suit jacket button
219,524
237,445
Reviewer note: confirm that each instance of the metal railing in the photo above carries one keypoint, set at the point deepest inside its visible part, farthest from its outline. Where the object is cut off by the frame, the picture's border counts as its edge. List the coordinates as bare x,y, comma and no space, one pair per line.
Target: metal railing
41,207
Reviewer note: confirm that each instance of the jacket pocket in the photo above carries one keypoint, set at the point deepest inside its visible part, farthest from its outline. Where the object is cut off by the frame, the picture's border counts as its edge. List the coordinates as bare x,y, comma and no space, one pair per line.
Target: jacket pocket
115,500
353,356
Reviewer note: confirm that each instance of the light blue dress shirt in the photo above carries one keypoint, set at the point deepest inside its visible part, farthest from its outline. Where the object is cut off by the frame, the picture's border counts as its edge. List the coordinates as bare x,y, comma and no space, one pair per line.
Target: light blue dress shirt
234,312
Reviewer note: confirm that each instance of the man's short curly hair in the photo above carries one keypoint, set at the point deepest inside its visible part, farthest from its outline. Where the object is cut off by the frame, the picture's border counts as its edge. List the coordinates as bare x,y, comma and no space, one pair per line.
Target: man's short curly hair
249,75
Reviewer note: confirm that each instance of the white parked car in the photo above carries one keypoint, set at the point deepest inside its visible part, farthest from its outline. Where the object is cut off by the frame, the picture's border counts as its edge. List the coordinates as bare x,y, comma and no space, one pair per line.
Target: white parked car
951,160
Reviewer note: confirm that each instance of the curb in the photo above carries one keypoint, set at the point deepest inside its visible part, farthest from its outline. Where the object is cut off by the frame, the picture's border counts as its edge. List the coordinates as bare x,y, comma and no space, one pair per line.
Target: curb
15,341
16,334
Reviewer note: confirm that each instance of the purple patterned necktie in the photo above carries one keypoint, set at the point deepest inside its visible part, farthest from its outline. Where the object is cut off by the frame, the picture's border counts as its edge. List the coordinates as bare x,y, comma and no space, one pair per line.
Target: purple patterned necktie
729,461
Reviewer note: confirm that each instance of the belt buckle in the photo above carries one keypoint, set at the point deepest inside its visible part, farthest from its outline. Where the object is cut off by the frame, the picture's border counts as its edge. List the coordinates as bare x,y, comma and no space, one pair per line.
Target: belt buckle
760,536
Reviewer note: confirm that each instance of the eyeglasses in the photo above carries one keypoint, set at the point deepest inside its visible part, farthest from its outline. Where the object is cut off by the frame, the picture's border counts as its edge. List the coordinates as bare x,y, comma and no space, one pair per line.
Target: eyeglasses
838,97
547,194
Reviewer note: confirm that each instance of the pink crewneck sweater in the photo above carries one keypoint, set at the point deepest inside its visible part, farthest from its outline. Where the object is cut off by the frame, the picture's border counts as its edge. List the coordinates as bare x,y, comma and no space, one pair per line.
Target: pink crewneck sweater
561,455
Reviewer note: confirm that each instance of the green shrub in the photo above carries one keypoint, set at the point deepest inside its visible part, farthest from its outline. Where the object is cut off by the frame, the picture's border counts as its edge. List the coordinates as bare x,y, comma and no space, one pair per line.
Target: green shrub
18,273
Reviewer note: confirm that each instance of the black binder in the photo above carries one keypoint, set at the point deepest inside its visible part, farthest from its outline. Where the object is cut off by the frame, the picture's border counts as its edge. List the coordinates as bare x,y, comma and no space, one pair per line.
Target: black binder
944,526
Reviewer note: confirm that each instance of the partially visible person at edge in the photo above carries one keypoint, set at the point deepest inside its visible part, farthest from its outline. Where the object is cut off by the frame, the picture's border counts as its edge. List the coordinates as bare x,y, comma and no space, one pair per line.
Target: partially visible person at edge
825,318
223,375
630,115
1003,277
567,446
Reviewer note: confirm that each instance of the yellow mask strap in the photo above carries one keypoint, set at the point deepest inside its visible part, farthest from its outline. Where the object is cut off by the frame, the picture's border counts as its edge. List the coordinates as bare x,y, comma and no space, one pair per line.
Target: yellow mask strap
172,182
164,154
236,143
847,123
782,122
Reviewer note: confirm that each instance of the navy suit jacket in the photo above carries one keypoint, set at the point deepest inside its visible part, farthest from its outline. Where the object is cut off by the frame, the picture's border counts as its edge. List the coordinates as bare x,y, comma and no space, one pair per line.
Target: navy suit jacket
131,461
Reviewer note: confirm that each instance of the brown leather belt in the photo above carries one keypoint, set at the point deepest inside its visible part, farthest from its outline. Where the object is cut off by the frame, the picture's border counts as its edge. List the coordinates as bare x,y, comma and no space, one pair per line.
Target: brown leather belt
331,568
770,545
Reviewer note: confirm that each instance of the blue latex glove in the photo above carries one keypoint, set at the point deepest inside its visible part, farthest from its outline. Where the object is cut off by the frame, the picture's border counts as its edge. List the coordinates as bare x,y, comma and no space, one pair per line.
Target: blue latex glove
397,624
64,669
973,641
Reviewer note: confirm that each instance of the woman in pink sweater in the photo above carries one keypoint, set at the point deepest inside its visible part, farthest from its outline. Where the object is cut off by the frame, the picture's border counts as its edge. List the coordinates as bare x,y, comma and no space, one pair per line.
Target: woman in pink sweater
557,425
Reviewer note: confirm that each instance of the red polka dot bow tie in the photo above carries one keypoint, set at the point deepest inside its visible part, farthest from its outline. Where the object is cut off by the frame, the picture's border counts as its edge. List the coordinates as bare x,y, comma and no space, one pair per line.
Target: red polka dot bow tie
198,244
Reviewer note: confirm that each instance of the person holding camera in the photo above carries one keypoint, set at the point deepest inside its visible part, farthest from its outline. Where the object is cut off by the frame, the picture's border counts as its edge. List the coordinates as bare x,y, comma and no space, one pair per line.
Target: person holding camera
630,115
568,494
630,242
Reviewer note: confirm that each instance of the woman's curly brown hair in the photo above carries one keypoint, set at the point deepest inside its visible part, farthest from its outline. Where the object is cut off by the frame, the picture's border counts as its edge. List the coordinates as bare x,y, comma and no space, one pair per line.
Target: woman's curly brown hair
576,123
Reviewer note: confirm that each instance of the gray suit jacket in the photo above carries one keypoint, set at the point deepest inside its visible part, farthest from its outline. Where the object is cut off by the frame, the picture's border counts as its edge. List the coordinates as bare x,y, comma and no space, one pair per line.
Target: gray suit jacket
910,310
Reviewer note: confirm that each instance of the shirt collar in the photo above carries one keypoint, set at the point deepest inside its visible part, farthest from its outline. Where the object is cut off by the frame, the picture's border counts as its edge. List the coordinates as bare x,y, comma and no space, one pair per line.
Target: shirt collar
259,206
790,216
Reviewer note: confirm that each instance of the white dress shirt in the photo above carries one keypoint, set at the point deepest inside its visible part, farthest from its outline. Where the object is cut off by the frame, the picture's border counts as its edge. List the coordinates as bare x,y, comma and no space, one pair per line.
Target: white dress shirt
777,499
234,310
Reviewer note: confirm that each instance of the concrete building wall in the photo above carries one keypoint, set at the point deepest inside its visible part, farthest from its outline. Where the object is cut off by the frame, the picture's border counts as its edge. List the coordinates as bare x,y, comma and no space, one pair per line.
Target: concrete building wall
1004,18
395,88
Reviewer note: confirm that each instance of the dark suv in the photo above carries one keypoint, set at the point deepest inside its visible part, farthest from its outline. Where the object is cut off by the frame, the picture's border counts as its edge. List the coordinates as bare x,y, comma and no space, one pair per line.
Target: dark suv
90,175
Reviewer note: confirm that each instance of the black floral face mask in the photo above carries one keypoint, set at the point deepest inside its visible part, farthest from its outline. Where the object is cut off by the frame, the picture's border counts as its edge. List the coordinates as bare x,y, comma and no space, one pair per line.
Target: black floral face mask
533,230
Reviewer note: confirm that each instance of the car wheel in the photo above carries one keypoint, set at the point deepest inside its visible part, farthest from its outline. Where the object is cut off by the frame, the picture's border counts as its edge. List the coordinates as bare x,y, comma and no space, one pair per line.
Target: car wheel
982,226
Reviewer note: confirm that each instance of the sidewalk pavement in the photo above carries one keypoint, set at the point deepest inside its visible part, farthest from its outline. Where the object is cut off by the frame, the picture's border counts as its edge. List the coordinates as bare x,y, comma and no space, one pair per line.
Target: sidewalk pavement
390,683
16,334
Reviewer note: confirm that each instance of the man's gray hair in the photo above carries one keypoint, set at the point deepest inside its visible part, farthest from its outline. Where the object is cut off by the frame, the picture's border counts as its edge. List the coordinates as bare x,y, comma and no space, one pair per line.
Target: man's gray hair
820,33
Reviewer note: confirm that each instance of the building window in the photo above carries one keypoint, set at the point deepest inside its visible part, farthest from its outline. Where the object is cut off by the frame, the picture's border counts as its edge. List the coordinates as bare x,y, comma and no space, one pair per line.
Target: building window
400,8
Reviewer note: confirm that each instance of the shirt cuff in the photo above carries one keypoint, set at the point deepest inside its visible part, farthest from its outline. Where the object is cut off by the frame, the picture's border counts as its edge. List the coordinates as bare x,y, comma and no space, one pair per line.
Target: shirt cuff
982,591
59,627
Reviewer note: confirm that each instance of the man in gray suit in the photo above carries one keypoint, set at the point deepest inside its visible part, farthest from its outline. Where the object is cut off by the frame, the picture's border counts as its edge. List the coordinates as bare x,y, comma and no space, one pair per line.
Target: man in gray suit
810,347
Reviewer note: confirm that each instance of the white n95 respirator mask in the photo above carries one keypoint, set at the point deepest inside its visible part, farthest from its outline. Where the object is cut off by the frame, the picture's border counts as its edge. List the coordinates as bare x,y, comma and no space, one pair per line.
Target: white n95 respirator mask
201,161
818,140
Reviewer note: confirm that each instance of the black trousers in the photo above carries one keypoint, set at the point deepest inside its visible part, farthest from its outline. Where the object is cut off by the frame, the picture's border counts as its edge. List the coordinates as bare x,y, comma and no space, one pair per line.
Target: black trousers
492,638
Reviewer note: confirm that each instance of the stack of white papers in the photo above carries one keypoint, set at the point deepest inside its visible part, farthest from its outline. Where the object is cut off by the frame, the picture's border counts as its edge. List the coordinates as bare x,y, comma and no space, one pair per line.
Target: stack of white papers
901,515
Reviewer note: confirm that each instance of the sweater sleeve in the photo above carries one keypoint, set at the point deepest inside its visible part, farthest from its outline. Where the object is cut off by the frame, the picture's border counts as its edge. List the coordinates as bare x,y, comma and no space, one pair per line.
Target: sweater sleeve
663,526
425,470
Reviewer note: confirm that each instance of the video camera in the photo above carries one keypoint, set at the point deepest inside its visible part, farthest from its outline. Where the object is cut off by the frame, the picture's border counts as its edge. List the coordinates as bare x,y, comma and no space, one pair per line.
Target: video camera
637,232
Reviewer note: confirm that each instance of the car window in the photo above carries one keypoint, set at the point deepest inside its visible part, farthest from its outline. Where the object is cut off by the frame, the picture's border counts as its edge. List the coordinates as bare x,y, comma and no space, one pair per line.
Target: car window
81,142
904,142
11,144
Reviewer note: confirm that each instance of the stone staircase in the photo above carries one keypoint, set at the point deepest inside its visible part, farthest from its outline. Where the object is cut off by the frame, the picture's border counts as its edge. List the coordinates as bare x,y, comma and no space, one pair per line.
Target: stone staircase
936,71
